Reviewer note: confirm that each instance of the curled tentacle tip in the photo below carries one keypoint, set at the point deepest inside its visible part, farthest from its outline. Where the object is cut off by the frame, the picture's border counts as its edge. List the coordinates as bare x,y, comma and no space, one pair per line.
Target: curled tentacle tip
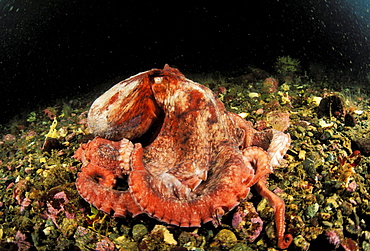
285,242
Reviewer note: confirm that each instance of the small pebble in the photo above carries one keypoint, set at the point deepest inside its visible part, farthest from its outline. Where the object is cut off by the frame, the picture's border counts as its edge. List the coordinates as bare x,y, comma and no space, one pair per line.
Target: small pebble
138,232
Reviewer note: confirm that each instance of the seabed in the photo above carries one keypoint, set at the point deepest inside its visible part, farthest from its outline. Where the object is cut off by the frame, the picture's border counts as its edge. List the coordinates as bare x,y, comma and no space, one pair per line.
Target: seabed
324,178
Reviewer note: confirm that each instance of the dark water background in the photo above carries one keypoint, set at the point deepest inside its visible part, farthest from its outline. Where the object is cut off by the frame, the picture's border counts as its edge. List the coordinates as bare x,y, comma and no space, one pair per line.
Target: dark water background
53,49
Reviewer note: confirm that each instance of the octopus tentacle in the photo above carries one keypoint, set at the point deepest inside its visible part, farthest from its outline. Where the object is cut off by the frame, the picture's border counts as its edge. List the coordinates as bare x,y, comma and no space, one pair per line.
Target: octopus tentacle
186,213
111,155
258,159
246,126
275,142
95,185
278,146
278,204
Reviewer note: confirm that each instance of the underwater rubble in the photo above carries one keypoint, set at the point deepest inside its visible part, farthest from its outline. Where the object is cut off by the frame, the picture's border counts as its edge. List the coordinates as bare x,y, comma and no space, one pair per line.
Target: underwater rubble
324,178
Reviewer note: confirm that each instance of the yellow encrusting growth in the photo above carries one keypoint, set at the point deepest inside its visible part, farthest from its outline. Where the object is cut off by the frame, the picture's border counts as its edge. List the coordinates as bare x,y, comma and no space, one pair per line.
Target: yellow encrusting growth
53,132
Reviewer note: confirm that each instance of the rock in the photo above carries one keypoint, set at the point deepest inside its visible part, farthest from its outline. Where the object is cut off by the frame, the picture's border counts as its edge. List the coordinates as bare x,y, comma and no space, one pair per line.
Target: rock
363,145
167,236
331,106
240,247
88,239
224,238
246,222
301,242
191,240
68,227
349,120
138,232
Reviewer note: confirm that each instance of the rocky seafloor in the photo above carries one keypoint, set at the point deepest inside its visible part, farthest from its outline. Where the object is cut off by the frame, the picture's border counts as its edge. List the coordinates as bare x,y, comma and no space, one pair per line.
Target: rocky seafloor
324,178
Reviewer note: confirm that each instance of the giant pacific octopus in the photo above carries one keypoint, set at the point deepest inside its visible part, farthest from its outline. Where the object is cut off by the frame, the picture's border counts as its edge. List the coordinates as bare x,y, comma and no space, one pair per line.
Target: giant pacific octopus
167,147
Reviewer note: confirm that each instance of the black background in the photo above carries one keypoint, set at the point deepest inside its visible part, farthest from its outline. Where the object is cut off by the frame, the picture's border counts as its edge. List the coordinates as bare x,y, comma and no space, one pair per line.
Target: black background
52,49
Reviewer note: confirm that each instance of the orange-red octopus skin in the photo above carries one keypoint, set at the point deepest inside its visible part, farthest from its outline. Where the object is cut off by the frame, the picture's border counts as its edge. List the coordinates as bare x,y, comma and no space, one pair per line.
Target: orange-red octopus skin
166,146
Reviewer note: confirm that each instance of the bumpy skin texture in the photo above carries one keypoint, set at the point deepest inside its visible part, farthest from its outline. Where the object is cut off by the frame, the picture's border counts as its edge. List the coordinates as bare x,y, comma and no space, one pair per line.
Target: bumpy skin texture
191,162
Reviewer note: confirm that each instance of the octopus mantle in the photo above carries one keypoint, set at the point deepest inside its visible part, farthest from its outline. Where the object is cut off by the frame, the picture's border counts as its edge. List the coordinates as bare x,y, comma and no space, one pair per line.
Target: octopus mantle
167,147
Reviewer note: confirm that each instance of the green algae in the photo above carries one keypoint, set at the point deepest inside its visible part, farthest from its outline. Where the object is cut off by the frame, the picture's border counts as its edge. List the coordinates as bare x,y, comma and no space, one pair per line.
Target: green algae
286,65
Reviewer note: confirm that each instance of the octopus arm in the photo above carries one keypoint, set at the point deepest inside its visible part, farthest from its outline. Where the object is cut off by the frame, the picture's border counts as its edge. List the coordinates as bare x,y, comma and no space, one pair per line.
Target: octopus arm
256,159
111,155
103,162
284,240
275,142
222,193
245,126
95,185
169,186
259,159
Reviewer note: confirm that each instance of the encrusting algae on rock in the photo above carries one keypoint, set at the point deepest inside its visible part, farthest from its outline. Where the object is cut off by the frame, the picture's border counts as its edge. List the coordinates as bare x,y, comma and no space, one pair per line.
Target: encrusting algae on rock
323,181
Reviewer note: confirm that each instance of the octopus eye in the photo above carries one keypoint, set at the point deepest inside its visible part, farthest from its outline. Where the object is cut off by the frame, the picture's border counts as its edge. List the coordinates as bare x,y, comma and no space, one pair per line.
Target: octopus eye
158,80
